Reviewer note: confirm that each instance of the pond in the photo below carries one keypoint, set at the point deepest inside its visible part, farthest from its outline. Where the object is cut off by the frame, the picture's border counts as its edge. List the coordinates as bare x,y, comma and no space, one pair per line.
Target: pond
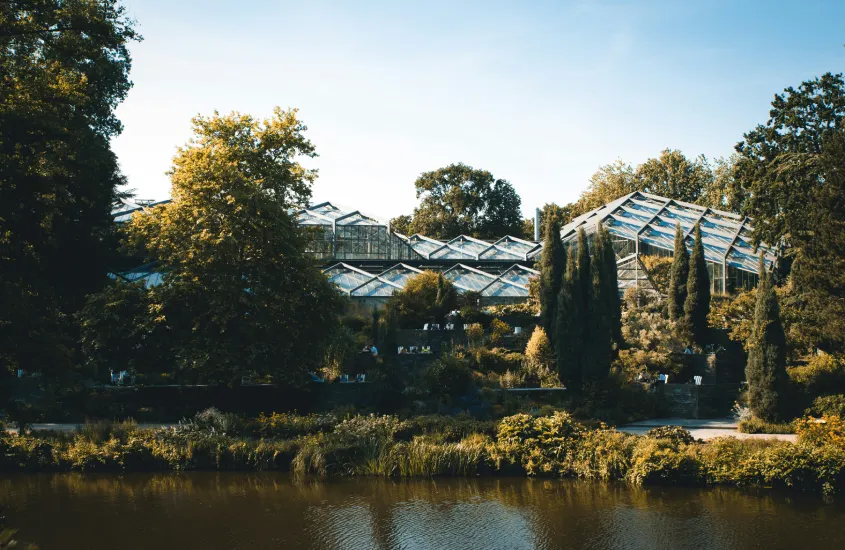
256,511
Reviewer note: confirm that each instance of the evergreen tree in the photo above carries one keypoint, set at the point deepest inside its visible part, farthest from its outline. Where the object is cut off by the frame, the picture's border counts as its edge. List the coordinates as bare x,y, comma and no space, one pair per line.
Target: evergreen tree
552,264
679,276
697,304
766,368
598,341
585,282
613,305
567,339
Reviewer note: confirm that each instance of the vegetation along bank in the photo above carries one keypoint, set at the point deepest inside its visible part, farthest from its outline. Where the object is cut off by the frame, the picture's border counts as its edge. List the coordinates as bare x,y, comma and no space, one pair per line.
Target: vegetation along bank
544,445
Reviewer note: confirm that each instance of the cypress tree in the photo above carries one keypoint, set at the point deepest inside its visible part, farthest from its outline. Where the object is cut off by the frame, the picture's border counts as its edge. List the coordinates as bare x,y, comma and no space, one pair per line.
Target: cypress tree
766,367
552,265
567,339
697,303
613,305
599,338
679,275
585,282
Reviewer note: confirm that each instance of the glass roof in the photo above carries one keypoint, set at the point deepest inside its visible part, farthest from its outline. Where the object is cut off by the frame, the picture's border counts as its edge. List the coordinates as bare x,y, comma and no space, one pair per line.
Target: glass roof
355,282
327,213
652,219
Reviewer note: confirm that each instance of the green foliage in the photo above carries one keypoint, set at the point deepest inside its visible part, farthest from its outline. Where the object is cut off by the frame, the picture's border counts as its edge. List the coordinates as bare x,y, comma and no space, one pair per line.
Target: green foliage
498,330
568,335
292,425
766,367
65,68
821,374
675,434
460,200
602,309
662,462
447,377
756,425
475,335
650,339
827,430
240,295
117,331
829,405
677,290
496,360
552,265
791,169
697,302
539,365
427,297
609,283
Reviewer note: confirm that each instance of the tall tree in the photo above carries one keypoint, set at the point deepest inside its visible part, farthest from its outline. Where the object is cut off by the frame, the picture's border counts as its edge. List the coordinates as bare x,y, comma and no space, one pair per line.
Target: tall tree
65,67
791,170
697,303
766,367
240,294
678,277
461,200
598,342
674,176
552,265
563,215
613,304
568,342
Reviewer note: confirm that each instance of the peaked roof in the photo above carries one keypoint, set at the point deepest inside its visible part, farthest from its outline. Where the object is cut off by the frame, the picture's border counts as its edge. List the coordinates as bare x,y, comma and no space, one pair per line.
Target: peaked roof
652,219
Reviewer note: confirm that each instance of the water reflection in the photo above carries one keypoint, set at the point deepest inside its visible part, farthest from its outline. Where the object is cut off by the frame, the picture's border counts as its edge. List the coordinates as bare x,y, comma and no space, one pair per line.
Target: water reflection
236,510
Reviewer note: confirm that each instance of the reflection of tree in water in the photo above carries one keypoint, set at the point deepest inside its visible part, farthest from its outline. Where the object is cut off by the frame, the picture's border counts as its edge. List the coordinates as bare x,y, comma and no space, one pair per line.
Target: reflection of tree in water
213,509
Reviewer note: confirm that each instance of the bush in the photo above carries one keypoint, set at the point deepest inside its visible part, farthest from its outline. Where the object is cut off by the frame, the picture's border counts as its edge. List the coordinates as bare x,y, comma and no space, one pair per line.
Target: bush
447,377
498,330
675,434
827,430
292,425
756,425
427,296
829,405
103,430
822,374
475,335
497,360
662,462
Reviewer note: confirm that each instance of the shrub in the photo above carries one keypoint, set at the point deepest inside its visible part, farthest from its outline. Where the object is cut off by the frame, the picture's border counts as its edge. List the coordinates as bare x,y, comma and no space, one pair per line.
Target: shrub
104,430
827,430
447,377
675,434
426,296
829,405
475,335
662,461
756,425
212,421
821,374
292,425
499,329
496,360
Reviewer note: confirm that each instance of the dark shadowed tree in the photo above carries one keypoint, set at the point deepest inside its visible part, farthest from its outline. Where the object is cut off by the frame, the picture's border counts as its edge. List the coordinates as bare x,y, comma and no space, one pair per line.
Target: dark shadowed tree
552,265
64,68
678,277
461,200
791,170
598,343
568,328
610,281
697,303
766,367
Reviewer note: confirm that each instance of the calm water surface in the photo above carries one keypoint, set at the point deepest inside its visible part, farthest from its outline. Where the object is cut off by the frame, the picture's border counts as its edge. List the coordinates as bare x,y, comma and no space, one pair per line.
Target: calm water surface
234,510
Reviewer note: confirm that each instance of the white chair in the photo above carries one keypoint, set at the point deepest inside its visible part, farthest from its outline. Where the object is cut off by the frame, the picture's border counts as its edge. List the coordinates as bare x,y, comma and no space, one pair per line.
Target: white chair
517,330
425,326
697,380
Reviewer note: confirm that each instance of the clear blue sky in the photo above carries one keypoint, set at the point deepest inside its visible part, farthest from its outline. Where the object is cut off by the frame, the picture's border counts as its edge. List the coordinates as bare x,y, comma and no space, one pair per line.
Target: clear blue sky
539,93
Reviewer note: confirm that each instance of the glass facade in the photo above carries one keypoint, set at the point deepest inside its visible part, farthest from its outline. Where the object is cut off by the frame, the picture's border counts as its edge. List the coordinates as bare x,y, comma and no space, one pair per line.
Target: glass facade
644,223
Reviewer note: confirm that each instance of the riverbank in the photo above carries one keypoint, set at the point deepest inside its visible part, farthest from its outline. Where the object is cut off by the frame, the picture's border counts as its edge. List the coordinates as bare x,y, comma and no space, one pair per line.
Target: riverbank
538,446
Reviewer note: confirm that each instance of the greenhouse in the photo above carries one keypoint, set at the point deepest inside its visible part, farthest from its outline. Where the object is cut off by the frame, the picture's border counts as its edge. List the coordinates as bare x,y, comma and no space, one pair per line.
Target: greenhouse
508,286
643,225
